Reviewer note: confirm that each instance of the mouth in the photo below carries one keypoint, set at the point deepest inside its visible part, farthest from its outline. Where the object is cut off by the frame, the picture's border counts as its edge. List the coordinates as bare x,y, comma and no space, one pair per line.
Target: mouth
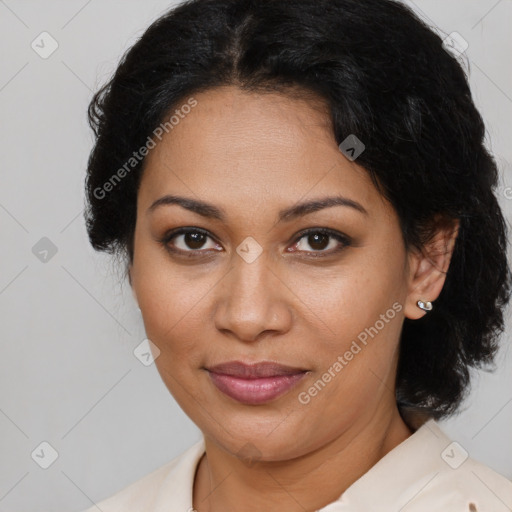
254,384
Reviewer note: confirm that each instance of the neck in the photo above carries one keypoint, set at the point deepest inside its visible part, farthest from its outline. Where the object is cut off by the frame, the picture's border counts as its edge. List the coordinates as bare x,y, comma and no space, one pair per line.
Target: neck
224,483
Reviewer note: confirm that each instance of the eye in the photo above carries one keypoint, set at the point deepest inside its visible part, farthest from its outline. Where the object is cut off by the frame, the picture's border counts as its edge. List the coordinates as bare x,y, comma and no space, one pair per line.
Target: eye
188,240
318,240
192,242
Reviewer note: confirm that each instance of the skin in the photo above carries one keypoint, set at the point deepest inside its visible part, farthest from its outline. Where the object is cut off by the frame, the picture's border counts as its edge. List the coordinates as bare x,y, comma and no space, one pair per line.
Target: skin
252,155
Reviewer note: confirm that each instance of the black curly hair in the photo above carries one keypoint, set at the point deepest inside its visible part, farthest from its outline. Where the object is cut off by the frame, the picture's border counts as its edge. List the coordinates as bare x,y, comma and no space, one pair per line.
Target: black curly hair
387,78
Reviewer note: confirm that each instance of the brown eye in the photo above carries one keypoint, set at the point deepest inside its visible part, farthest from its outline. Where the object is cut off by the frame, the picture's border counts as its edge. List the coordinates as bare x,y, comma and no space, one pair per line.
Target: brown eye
188,240
194,240
321,241
318,241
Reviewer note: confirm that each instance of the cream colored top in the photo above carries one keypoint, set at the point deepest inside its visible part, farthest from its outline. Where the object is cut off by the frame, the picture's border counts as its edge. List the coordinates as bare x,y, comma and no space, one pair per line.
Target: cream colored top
427,472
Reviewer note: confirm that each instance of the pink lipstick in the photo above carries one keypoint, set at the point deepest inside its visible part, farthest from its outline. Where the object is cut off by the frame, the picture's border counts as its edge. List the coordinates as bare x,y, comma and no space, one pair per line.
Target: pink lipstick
254,383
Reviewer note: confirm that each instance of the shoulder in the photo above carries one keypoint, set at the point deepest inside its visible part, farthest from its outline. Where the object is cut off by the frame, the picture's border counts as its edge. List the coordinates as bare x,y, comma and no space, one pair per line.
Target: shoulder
428,471
144,494
136,496
470,487
453,480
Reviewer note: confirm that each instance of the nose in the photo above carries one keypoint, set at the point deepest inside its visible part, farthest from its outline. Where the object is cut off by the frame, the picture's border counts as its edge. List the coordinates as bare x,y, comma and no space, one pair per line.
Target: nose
252,301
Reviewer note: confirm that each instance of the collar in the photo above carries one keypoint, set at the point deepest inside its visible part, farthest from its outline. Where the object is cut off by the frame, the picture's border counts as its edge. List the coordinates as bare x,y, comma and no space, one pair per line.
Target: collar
397,477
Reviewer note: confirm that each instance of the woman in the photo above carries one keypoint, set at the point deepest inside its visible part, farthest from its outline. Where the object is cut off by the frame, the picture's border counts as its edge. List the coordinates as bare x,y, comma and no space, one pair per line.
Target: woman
305,208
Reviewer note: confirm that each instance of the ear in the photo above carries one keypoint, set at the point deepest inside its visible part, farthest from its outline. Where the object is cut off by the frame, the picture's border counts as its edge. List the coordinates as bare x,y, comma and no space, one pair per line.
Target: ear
428,267
130,269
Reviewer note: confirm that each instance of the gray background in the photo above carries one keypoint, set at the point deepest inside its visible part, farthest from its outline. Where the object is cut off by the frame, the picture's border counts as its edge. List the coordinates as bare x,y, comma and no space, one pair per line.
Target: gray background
68,375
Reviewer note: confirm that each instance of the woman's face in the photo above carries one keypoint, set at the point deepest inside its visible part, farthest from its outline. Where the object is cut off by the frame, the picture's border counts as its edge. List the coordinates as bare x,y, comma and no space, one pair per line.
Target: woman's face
250,287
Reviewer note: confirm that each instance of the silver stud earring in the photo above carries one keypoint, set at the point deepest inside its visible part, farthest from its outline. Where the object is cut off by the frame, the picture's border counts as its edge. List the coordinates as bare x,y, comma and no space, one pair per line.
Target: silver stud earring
425,305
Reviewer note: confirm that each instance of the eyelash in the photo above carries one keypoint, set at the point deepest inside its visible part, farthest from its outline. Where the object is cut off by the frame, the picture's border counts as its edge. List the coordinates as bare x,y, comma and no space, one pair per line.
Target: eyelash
343,239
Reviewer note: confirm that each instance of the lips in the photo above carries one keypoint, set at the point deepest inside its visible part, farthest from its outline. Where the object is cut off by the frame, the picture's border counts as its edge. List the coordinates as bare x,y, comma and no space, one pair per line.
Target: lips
254,383
255,370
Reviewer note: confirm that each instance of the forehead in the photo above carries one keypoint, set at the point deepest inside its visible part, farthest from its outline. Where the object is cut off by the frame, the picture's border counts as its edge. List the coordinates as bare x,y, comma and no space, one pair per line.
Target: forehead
239,147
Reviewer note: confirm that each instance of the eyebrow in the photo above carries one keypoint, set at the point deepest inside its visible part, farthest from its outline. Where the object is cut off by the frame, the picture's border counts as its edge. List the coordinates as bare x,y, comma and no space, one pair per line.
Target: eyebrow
208,210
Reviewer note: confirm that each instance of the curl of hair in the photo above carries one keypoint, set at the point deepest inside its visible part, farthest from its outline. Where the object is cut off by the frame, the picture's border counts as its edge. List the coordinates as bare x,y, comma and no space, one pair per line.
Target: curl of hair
386,78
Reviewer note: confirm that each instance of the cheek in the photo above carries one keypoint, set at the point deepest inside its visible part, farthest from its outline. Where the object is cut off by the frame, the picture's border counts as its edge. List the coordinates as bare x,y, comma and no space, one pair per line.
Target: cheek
171,304
335,305
342,303
355,315
172,313
173,321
